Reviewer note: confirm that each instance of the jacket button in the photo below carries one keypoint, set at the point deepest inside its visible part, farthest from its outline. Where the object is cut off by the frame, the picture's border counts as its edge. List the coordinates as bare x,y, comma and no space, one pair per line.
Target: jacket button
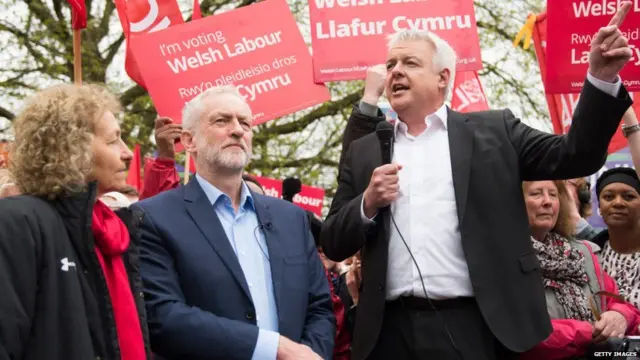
142,294
249,315
381,286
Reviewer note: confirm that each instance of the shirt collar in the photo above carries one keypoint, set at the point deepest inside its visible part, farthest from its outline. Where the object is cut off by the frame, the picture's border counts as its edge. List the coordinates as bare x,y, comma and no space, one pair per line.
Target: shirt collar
214,194
440,116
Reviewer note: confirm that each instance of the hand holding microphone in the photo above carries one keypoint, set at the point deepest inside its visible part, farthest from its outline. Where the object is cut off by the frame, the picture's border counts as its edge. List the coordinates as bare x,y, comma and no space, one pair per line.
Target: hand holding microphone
383,188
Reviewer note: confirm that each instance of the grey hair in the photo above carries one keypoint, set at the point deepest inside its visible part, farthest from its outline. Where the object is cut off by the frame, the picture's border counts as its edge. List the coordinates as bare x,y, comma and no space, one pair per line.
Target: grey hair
192,110
444,56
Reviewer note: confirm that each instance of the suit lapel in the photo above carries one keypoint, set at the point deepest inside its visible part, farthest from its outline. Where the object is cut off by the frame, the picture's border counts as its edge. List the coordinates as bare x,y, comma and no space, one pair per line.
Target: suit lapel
460,147
205,217
274,247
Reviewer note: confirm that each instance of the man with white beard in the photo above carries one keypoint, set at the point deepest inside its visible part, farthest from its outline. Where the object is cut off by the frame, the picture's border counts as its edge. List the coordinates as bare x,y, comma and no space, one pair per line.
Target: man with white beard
229,273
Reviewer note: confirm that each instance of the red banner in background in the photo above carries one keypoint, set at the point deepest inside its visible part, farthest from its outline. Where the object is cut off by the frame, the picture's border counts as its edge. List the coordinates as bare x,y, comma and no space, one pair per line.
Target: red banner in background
310,198
561,106
139,17
134,176
78,14
4,154
348,36
468,95
574,23
257,48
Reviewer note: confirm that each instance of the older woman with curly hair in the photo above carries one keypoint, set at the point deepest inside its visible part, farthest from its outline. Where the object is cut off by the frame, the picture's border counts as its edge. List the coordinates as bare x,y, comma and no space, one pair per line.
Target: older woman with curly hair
70,287
571,275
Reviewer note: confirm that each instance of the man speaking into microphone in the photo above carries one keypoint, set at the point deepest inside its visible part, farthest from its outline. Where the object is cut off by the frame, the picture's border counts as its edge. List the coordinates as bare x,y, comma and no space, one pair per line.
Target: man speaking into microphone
448,269
229,273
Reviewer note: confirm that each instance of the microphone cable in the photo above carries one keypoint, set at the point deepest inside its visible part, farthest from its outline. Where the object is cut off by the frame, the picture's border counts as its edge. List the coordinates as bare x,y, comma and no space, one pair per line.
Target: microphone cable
424,288
386,137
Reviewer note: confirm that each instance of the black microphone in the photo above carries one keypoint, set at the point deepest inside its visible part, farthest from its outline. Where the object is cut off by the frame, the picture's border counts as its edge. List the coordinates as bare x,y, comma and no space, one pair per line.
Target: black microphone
384,131
265,226
290,187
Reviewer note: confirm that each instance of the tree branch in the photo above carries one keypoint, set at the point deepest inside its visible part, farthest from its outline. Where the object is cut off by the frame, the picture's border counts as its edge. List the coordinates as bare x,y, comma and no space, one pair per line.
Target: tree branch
129,96
112,50
294,163
59,28
6,114
57,8
246,2
89,6
326,109
24,38
103,27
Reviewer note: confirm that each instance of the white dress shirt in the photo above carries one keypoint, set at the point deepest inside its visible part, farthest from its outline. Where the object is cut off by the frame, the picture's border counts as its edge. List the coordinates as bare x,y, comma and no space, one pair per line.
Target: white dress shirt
425,212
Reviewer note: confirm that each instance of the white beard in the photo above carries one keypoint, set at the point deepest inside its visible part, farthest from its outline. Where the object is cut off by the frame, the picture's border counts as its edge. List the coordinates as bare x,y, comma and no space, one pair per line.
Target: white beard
231,159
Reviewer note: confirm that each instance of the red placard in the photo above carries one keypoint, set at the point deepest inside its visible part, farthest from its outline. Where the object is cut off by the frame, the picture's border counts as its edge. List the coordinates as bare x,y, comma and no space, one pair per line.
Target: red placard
257,48
348,36
574,23
561,106
139,17
4,154
310,198
468,95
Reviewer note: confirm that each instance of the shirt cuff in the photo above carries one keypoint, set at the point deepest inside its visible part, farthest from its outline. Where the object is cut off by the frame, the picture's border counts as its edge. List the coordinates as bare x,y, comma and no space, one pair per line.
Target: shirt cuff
610,88
365,219
267,345
368,109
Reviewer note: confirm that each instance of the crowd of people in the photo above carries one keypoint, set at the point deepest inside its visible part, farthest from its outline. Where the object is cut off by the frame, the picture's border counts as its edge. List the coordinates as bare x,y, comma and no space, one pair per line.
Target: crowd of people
467,240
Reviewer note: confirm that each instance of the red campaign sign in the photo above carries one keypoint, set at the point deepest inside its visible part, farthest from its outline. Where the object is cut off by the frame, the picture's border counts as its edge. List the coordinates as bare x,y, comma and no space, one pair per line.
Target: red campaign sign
4,154
566,103
574,23
310,198
348,36
468,95
265,57
561,106
139,17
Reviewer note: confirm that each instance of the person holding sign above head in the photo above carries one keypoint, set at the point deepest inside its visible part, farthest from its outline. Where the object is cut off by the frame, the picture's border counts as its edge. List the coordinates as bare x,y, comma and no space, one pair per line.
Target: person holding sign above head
434,203
229,273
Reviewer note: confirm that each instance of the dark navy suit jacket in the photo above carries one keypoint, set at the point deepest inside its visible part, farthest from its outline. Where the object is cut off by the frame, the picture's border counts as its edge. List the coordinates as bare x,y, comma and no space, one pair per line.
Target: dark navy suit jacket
197,299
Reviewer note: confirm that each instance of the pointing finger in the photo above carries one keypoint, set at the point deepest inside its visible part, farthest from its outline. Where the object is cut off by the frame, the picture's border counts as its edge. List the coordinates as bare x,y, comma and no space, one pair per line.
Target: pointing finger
622,12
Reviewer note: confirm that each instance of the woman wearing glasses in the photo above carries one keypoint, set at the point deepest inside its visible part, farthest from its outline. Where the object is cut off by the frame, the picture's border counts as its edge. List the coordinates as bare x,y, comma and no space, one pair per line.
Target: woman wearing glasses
571,276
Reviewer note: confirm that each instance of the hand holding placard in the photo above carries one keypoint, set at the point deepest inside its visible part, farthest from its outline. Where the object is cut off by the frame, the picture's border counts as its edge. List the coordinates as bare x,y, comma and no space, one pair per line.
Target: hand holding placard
610,49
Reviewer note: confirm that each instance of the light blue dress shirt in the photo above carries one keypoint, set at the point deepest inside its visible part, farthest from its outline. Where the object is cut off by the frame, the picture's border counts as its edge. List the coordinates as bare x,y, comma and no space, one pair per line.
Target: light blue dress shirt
248,242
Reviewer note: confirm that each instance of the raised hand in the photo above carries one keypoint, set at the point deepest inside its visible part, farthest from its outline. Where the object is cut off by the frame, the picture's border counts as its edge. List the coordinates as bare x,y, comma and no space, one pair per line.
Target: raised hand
166,134
610,49
374,84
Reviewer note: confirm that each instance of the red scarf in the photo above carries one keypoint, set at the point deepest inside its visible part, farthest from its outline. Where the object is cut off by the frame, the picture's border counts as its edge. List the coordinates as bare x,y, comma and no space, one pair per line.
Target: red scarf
112,240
